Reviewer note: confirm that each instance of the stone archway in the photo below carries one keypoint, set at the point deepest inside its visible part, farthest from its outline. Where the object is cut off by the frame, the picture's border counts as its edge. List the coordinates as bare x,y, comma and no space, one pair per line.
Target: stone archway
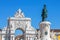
20,36
18,24
20,21
20,30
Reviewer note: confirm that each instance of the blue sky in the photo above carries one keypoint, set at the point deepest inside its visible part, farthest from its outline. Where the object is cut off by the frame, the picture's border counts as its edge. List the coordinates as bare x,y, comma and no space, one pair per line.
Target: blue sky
31,9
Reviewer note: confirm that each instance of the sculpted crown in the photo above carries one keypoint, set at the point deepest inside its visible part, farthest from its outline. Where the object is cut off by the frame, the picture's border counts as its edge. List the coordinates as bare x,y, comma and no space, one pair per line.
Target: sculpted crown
19,14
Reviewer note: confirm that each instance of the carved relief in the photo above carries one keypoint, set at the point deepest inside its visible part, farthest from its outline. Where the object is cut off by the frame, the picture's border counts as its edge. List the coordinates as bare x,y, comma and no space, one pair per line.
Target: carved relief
20,24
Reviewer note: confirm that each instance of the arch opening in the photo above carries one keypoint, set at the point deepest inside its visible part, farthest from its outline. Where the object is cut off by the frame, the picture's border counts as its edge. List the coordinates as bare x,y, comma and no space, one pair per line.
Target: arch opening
19,34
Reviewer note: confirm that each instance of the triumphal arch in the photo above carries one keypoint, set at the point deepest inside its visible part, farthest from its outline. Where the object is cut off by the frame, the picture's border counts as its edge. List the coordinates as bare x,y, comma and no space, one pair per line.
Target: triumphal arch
19,21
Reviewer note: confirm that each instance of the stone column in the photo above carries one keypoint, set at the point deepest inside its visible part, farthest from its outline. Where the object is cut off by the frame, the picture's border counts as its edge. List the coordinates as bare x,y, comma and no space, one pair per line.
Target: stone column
3,37
45,30
12,37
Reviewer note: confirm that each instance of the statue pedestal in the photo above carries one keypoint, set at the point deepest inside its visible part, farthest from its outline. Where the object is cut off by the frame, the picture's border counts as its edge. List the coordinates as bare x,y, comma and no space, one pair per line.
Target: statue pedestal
45,30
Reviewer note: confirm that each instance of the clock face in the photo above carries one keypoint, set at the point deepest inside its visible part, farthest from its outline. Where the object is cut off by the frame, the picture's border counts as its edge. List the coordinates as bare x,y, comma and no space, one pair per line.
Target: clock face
46,33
